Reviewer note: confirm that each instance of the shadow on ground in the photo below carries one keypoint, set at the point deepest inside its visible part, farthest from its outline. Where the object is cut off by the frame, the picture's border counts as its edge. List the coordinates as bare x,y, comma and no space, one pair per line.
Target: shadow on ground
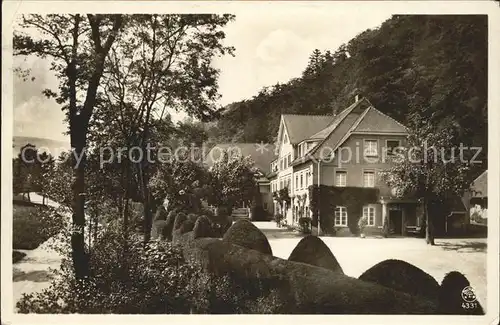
464,247
34,276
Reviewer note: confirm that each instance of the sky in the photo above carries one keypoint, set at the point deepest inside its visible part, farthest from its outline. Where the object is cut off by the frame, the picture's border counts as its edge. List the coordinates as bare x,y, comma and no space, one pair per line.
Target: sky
269,48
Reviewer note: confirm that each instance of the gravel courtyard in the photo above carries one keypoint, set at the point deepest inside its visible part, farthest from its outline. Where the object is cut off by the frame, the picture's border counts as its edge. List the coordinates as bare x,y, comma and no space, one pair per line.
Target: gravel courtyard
356,255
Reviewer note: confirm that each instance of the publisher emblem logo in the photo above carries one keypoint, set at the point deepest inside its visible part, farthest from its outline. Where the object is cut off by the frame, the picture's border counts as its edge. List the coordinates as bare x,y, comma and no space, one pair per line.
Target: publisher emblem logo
468,294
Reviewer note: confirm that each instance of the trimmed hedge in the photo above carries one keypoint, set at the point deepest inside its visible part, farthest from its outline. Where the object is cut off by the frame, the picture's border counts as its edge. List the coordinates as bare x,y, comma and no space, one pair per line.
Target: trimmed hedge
161,213
160,230
313,251
300,288
353,198
192,217
402,276
246,234
202,228
179,220
450,296
187,226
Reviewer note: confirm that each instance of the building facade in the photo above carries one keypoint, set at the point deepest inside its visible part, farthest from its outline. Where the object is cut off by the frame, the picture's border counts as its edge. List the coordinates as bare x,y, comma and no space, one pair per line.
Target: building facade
347,150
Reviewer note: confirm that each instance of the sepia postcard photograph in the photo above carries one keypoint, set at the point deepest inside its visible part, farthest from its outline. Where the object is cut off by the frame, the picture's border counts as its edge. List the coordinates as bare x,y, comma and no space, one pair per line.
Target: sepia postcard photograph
299,161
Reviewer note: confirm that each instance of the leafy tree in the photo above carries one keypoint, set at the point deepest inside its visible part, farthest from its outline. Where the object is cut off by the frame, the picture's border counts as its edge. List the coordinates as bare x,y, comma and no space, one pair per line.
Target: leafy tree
182,182
58,181
191,133
167,62
315,63
28,169
45,163
282,196
162,64
431,169
77,47
232,181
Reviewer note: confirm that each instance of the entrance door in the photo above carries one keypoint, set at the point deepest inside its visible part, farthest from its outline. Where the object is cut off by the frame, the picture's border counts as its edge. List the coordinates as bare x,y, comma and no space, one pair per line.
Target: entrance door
396,221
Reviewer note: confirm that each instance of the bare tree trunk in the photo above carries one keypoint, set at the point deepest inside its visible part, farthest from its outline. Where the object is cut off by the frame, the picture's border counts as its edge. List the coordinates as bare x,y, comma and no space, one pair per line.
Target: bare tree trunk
429,229
144,176
91,222
96,227
126,194
80,260
148,216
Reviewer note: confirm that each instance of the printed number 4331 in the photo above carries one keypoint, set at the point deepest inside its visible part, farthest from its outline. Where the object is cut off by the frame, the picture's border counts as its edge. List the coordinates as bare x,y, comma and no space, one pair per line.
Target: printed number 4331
469,305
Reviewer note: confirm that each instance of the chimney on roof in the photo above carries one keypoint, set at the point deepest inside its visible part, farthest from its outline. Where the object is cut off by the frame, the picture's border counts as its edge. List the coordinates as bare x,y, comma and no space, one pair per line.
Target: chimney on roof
357,94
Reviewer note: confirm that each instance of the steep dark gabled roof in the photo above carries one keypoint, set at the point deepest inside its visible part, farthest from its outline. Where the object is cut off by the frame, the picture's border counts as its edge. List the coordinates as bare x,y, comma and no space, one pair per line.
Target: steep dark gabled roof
301,127
360,117
375,121
261,154
322,134
336,131
479,186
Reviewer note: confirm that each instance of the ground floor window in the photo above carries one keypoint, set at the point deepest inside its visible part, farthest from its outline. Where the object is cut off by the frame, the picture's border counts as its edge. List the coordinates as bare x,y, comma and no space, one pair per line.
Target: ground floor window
369,214
340,216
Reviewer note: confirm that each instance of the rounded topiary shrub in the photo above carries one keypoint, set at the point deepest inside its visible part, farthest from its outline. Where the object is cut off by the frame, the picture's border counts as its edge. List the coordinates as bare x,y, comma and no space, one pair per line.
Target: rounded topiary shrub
179,220
186,226
161,213
302,288
402,276
246,234
192,217
159,230
313,251
451,301
202,228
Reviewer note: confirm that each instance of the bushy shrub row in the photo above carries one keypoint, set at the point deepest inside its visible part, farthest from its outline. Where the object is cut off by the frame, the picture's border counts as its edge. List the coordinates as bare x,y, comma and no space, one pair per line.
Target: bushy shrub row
305,225
234,275
125,279
234,294
165,223
278,218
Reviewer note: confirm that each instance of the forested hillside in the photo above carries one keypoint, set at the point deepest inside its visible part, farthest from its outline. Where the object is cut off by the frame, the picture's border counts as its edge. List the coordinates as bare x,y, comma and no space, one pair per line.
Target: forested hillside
433,64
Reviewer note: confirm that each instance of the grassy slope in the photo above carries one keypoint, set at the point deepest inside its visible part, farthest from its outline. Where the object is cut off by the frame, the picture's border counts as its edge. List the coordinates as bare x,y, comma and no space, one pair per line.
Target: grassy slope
29,226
